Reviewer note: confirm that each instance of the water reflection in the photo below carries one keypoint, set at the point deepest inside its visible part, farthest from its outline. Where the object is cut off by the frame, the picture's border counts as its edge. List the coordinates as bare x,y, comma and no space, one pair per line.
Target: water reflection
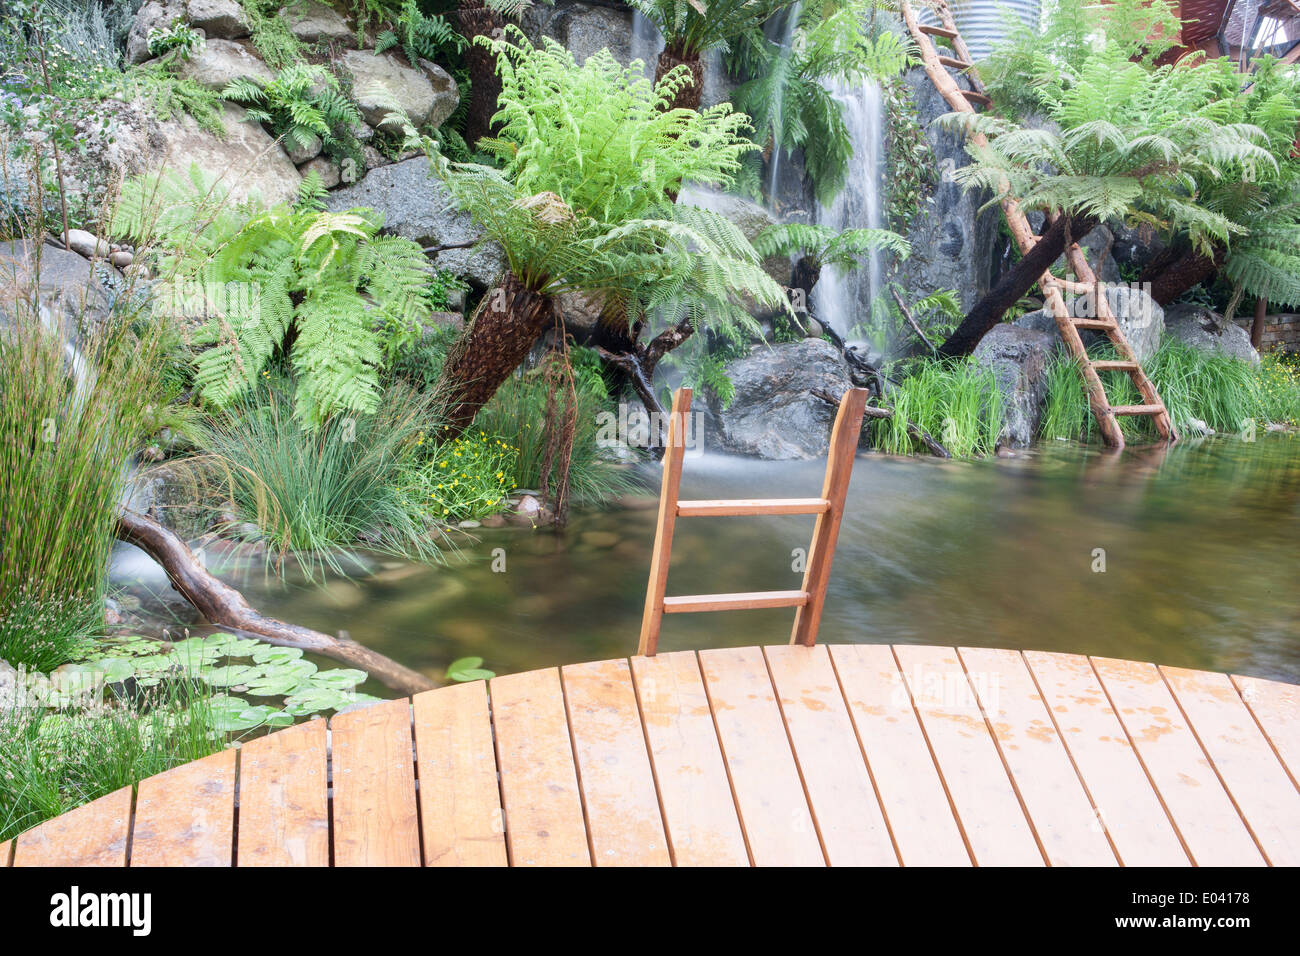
1199,544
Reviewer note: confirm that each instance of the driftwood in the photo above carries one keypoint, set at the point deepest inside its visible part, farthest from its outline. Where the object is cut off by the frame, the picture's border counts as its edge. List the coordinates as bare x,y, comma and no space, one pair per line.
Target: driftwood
223,606
875,411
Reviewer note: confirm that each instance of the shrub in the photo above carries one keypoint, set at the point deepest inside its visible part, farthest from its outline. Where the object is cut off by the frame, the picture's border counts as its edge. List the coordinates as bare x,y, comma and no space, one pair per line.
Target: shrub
956,402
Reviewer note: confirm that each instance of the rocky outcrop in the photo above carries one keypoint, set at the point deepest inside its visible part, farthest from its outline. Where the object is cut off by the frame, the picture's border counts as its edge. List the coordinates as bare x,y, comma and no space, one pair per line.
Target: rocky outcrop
1203,329
313,22
379,79
583,28
218,19
774,414
1018,358
222,62
417,206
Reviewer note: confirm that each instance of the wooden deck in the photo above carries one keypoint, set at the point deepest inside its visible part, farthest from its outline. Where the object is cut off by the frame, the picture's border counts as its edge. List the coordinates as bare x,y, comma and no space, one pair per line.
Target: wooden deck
842,755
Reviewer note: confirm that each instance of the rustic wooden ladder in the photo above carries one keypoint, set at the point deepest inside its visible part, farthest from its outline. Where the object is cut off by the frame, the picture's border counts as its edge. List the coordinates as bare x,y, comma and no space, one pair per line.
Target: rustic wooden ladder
964,101
829,508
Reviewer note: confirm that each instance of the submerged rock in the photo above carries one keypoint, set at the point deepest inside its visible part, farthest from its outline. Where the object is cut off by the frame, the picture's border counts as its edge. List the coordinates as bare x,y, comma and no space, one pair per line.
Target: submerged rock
1018,359
1203,329
774,414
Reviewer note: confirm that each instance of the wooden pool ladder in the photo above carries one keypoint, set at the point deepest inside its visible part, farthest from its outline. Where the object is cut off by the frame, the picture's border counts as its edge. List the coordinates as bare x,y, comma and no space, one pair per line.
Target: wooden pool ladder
829,508
1069,326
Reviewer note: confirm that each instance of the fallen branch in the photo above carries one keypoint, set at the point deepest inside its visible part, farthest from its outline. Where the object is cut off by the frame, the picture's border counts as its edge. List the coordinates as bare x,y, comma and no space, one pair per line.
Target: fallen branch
223,606
875,411
907,314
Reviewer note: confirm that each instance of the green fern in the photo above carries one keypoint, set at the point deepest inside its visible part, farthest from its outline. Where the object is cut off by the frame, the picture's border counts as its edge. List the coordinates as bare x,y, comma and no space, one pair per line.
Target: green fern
420,36
825,246
302,104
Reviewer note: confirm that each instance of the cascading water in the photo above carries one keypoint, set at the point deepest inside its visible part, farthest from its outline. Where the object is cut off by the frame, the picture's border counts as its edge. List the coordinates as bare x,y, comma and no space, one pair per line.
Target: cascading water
647,43
780,30
842,298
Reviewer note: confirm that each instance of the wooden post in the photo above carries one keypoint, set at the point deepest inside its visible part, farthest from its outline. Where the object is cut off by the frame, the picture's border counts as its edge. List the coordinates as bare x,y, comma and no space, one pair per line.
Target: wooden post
839,467
668,492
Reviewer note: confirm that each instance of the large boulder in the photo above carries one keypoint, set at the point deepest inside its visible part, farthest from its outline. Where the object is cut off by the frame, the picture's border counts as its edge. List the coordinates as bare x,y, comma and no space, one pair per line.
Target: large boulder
955,245
73,285
222,62
1018,358
313,22
446,94
1140,318
583,28
218,19
774,413
248,161
1203,329
416,205
380,79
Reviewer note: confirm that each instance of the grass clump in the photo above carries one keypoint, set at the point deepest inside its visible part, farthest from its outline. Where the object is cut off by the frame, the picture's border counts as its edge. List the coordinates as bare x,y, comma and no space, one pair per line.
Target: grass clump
956,402
466,478
52,761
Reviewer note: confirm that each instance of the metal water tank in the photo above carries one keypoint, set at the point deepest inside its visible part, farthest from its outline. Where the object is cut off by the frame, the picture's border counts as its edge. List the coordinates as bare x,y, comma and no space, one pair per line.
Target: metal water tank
982,22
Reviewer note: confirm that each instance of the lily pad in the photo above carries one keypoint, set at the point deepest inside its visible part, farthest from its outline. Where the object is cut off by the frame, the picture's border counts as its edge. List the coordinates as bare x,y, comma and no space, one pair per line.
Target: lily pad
468,669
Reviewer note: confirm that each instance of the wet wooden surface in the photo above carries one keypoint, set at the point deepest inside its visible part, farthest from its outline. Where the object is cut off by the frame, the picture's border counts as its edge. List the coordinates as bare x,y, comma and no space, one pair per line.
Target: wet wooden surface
849,754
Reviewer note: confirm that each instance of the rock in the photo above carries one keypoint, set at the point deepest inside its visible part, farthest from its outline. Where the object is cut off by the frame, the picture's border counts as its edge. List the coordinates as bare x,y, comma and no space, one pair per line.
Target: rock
774,414
313,22
1140,318
954,244
154,15
222,19
417,206
298,155
469,524
584,28
66,281
121,259
86,244
327,169
1135,246
380,78
1018,358
1202,329
446,94
494,521
445,320
222,62
580,310
374,158
248,161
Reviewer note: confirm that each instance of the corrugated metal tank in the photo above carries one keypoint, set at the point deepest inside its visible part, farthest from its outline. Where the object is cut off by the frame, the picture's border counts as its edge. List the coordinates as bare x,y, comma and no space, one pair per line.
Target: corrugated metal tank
981,22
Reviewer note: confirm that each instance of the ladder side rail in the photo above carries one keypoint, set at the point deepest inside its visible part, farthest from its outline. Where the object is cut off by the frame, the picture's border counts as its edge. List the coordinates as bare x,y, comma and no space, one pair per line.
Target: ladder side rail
674,452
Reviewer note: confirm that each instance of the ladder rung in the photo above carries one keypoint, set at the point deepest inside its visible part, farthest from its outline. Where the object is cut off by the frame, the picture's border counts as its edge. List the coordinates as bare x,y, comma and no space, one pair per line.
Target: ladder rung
752,506
1108,365
979,98
939,32
734,602
1093,323
954,63
1138,409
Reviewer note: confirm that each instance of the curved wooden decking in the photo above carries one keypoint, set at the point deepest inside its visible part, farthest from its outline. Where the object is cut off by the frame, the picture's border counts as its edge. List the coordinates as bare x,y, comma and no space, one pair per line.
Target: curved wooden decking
848,754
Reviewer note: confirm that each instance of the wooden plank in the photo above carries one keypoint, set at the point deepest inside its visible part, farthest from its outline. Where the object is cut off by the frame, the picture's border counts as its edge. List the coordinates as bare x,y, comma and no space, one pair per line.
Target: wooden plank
1109,365
836,779
6,852
375,817
539,785
624,824
1211,828
460,800
694,792
774,814
91,835
1247,765
910,789
982,794
186,816
723,507
1276,707
283,798
1137,409
835,486
674,450
1128,807
744,601
1062,812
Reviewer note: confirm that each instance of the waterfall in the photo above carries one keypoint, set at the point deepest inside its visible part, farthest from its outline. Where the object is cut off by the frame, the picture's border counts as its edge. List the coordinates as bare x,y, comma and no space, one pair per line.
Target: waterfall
843,298
647,43
780,31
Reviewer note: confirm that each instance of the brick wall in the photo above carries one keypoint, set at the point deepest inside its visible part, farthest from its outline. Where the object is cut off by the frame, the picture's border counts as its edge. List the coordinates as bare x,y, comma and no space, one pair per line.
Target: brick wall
1281,330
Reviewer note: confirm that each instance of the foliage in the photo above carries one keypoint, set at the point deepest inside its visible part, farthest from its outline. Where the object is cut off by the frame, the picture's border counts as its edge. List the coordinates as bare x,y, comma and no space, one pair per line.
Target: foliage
324,287
419,36
911,175
468,669
827,247
689,28
788,95
302,105
515,414
177,37
957,402
466,478
378,12
311,491
53,761
70,420
271,34
171,95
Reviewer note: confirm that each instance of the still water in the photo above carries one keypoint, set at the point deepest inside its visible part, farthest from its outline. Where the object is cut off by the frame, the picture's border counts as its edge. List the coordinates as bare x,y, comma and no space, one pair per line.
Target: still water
1200,544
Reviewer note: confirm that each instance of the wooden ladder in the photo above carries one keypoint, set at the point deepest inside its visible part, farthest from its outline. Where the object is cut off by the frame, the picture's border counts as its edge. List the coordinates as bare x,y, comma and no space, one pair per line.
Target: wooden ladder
829,508
1054,289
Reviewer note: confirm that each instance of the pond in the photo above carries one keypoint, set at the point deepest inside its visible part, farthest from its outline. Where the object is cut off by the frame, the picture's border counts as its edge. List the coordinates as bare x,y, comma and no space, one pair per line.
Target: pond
1200,545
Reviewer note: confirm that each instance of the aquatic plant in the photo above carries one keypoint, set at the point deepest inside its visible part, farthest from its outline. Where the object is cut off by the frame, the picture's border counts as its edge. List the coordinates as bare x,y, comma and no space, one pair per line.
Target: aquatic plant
955,401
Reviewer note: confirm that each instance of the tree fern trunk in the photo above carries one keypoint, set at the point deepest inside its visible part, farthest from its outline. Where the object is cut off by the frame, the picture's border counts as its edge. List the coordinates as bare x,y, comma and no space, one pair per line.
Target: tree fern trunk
689,95
473,19
502,330
1173,273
